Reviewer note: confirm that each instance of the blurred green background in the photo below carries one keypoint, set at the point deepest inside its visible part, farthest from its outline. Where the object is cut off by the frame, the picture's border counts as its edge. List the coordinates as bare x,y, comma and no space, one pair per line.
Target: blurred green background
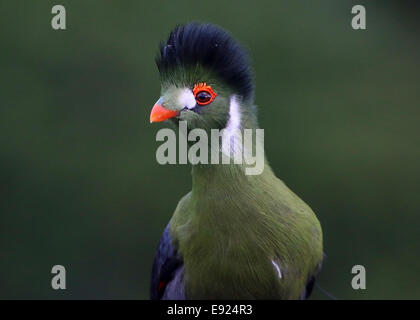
79,182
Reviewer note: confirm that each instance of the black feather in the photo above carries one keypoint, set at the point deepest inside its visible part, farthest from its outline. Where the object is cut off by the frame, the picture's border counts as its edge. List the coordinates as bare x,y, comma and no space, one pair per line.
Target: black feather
211,47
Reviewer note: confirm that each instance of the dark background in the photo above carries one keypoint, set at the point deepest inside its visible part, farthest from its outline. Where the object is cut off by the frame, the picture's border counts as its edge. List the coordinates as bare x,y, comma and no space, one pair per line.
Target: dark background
79,183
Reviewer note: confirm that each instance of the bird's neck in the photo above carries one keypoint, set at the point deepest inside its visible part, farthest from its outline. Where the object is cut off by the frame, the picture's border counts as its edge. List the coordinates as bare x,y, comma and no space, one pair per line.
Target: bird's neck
242,145
218,179
209,178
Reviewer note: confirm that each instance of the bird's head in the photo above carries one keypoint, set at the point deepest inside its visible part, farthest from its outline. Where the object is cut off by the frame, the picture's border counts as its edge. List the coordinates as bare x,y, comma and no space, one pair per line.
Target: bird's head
203,70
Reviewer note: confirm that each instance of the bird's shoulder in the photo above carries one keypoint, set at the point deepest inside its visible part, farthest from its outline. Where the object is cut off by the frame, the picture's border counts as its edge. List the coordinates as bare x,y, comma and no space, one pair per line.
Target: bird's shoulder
182,213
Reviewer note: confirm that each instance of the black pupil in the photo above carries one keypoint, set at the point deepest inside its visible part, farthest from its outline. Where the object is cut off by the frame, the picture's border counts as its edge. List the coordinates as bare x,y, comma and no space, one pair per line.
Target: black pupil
203,96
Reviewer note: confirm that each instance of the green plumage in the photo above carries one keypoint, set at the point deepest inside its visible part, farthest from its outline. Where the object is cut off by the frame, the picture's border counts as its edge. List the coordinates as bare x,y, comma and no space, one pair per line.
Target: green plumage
239,236
231,226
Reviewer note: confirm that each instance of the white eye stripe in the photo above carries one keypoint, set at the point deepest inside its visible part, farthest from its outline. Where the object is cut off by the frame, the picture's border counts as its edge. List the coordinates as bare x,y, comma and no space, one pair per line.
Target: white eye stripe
186,98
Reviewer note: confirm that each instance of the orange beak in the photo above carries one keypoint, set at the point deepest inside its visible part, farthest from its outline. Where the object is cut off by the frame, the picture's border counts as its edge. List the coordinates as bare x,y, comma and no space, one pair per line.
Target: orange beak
160,113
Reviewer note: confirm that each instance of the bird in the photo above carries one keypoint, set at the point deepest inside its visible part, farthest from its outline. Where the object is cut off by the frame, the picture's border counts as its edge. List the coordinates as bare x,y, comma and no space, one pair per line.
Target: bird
233,236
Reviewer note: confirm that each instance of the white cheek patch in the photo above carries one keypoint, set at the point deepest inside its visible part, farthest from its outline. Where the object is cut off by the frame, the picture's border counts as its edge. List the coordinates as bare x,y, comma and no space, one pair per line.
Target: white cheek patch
186,98
232,136
234,122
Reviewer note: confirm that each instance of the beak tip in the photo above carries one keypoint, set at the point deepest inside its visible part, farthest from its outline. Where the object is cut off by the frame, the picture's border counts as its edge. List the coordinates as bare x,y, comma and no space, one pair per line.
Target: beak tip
160,113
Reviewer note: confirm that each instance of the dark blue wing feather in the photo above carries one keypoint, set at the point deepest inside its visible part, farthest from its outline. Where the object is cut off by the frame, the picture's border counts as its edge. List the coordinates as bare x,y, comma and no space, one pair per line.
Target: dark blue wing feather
311,281
167,272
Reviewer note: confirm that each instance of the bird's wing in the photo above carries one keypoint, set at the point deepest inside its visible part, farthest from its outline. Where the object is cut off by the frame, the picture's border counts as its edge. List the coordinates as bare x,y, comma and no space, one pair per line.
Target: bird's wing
311,281
308,288
167,272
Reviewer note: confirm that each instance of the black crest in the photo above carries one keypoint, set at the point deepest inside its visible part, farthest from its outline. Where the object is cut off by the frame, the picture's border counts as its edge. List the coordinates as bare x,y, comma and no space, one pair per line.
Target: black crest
211,47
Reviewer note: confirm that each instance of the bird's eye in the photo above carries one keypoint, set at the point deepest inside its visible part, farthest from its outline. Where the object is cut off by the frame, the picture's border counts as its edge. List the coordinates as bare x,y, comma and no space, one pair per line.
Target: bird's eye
204,94
203,97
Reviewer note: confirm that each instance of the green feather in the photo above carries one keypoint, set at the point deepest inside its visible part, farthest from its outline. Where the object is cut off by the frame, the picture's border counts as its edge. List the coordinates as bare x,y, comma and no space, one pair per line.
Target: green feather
231,227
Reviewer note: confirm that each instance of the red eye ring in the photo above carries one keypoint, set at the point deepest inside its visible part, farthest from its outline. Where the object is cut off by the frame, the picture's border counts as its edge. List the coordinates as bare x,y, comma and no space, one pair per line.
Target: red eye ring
203,94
